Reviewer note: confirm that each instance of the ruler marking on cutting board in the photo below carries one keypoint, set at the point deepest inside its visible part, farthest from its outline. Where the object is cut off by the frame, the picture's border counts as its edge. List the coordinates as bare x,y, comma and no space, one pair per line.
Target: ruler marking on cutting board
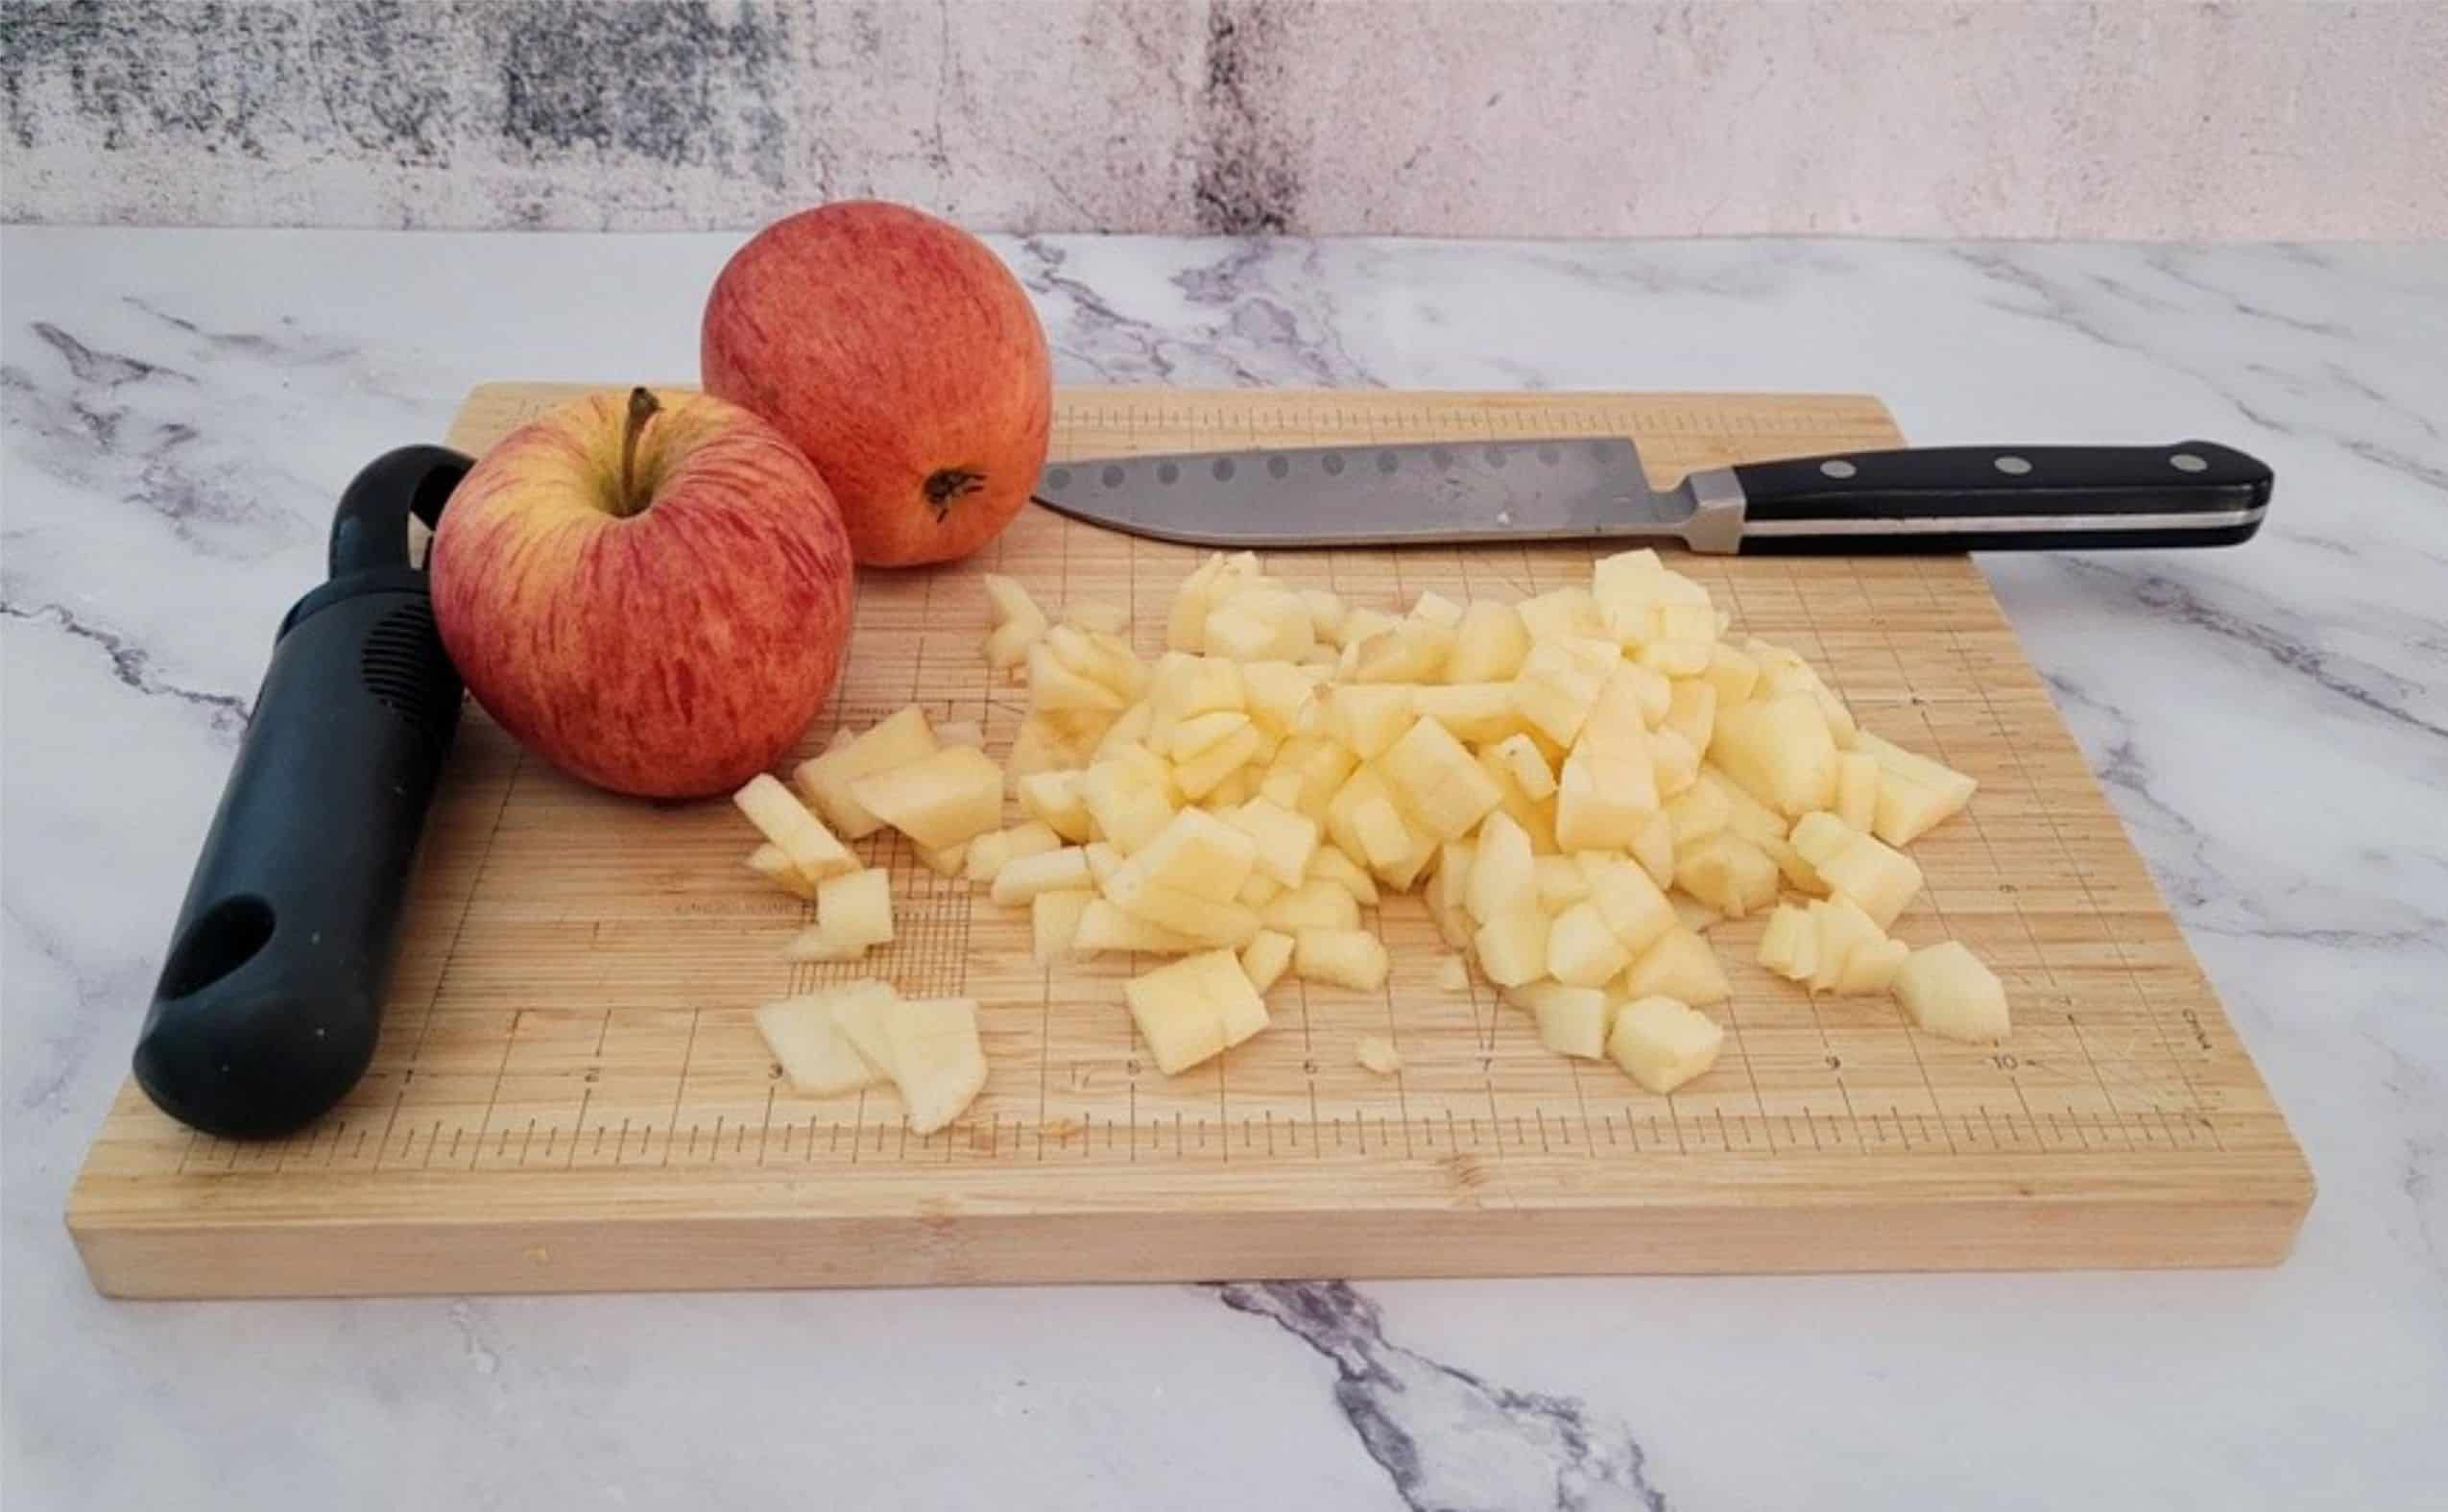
579,974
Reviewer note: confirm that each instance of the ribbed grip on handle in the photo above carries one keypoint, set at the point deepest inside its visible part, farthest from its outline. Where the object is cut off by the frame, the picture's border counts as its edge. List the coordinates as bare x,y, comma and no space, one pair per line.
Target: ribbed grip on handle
2003,498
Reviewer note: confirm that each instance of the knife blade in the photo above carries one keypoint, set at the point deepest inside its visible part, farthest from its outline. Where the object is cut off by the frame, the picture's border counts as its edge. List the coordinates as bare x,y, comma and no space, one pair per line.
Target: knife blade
1909,499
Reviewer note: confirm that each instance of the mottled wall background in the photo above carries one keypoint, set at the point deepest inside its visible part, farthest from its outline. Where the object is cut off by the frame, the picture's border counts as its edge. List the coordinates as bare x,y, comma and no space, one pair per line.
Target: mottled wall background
2133,118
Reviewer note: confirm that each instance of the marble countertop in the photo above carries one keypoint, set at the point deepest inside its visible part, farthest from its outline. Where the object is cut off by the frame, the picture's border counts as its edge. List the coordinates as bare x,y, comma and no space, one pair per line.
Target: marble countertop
181,408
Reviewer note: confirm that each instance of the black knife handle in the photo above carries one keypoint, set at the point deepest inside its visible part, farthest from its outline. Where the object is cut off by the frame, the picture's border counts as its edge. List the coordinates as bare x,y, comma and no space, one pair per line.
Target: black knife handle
2003,498
271,1000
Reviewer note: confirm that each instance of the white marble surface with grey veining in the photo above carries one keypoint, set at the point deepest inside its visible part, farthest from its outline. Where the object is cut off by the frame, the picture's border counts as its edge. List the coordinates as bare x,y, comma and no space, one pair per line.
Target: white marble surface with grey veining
181,409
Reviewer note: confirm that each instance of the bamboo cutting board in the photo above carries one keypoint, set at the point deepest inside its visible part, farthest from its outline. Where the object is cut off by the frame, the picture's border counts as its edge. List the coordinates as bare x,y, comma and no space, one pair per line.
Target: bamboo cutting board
570,1093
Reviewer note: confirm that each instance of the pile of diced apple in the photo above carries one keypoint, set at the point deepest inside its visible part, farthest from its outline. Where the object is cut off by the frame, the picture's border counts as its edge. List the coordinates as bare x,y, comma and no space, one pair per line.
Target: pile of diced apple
1582,783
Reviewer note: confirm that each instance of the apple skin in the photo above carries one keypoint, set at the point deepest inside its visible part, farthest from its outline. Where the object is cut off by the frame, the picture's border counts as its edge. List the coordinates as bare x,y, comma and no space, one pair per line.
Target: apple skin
902,357
671,653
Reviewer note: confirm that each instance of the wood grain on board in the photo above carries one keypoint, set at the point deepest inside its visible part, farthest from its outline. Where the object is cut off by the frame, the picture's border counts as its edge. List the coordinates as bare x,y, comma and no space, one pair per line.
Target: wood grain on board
570,1093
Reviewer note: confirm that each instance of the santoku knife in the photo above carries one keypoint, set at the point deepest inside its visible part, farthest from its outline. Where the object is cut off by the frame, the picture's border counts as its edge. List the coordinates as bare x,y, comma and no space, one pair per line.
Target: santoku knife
1921,499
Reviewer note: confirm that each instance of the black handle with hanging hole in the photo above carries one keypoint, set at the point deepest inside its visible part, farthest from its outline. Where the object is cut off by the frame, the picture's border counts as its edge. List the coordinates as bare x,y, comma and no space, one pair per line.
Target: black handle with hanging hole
2003,498
270,1000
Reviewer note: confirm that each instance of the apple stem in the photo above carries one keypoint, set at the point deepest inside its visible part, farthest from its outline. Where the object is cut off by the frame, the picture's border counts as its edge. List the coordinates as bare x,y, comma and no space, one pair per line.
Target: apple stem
642,407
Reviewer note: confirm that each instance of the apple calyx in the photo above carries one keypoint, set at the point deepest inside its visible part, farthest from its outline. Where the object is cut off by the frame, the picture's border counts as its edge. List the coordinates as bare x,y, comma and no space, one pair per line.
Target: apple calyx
947,484
643,406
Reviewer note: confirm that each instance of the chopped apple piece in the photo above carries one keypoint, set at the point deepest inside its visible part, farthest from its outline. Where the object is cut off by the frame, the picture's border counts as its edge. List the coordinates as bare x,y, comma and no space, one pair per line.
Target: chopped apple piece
1916,794
861,1019
1734,675
856,908
1555,689
1377,1056
1192,736
1314,904
1581,950
1502,874
1261,625
1662,1043
1438,782
951,861
1512,945
1053,922
1216,578
1881,879
1104,929
1785,929
1841,930
1023,878
1011,601
1276,693
937,1061
1604,797
1369,717
1691,711
1473,712
1205,775
1266,957
1194,1009
939,800
1680,965
1745,815
1285,841
1007,644
1535,817
1572,1021
1329,864
1674,764
800,835
988,853
1134,889
1352,958
1526,764
1873,967
1257,892
1676,657
1128,804
1630,702
1053,686
1042,745
1727,872
1692,914
1326,615
1196,854
1052,799
1564,615
1780,750
1562,881
1103,861
1409,651
826,780
1490,642
1697,812
815,1054
1950,993
768,862
1634,907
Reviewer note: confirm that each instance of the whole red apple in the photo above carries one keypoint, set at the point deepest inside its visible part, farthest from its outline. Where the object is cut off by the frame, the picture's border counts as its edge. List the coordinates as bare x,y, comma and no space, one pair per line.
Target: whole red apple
649,590
903,356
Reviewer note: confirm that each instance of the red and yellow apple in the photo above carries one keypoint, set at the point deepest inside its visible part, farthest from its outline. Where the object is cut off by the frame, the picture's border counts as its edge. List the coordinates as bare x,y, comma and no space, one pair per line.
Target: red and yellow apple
902,357
651,591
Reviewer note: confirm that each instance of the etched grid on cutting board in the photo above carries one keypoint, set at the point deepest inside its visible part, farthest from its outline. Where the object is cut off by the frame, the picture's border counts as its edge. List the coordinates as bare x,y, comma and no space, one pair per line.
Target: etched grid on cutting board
578,986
